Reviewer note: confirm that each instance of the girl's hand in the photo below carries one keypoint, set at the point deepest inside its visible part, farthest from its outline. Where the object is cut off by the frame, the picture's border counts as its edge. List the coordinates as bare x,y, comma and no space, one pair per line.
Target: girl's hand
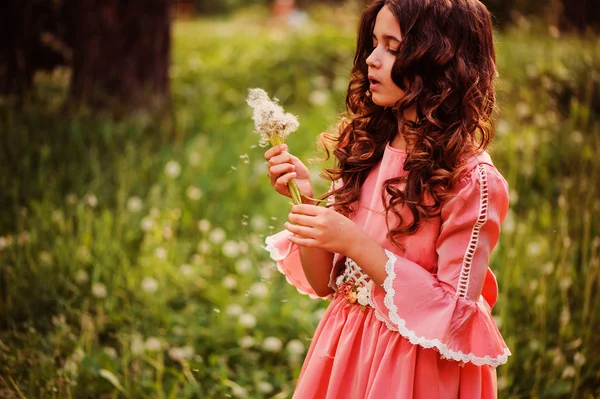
323,228
284,167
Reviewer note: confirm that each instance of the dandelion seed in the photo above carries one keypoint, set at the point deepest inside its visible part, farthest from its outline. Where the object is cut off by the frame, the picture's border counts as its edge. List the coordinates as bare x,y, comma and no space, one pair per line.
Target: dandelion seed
232,168
245,159
247,320
99,290
217,310
272,344
194,193
173,169
134,204
149,285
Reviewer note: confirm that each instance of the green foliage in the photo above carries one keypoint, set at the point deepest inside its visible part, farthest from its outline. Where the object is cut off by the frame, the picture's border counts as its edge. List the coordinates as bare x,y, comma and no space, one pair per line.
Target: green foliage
131,262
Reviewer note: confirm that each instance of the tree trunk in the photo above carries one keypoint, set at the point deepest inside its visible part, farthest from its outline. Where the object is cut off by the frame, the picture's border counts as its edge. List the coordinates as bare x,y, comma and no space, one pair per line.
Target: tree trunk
121,53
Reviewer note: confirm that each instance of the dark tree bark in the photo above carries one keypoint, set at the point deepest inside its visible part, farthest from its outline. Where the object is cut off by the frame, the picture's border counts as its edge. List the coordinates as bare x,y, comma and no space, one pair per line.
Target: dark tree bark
580,14
121,53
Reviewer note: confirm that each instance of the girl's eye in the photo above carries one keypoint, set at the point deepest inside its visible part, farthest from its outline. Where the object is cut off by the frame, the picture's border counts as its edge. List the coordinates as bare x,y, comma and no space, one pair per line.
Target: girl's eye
392,51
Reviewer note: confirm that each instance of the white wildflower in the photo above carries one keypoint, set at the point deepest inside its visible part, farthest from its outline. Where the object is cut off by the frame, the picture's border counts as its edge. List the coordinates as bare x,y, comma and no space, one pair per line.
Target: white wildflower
272,344
238,391
204,247
243,266
3,243
234,310
186,270
231,249
204,225
153,344
579,359
217,236
137,344
146,224
173,169
99,290
318,98
246,342
295,347
258,222
568,372
81,277
179,354
149,285
110,351
270,120
134,204
247,320
90,200
194,193
259,290
229,282
264,387
160,253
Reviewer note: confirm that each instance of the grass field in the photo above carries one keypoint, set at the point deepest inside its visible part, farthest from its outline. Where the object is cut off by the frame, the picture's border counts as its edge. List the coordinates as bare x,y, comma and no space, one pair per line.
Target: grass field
131,259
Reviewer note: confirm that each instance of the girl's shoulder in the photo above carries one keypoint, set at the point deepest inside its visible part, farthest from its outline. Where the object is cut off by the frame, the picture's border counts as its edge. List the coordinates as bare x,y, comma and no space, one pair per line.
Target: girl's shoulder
481,177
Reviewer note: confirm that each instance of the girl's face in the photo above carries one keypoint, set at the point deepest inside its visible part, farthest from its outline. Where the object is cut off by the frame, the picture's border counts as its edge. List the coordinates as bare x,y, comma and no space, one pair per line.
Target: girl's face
386,40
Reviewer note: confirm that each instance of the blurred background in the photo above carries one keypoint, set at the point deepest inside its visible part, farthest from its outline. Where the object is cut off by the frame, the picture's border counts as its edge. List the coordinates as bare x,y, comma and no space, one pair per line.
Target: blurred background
135,200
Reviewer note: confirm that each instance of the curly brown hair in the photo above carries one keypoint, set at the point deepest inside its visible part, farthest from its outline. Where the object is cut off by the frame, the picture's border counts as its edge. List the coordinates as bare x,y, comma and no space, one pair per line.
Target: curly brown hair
446,66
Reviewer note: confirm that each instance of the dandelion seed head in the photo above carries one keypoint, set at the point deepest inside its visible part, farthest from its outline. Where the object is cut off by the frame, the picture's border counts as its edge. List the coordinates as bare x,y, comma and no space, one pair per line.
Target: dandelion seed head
134,204
173,169
204,225
272,344
153,344
81,277
99,290
264,387
194,193
247,320
269,117
149,285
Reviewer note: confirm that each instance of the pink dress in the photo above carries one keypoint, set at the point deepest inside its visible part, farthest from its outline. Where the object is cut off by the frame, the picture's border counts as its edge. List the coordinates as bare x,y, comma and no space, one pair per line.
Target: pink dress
428,332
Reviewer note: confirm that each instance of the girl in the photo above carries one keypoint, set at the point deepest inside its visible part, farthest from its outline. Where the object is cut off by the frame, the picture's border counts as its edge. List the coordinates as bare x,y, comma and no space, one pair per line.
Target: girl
402,249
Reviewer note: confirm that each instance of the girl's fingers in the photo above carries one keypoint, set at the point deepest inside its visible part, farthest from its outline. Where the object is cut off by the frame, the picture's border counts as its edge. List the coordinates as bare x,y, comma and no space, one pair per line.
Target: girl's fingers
302,220
271,152
283,157
302,231
285,179
303,242
278,170
305,209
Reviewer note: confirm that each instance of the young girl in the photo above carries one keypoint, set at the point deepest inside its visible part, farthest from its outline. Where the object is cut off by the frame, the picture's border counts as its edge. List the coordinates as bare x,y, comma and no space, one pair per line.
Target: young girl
402,249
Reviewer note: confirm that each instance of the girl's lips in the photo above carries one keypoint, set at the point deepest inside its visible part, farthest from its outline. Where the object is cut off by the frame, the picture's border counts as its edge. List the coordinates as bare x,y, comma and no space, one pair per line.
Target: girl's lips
374,84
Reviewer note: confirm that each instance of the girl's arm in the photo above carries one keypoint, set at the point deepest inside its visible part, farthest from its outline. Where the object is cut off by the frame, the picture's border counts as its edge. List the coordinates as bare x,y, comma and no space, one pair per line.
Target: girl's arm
317,265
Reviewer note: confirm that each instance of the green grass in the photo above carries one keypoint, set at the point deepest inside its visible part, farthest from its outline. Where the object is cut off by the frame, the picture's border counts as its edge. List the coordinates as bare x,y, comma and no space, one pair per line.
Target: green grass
130,253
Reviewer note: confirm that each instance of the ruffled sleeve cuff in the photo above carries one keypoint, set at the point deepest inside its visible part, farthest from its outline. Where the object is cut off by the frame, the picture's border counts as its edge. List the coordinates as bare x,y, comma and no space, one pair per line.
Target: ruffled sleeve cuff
413,303
287,256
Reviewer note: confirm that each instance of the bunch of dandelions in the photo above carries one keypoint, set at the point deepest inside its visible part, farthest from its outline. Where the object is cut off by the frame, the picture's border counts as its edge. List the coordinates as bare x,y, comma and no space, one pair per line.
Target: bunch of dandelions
273,125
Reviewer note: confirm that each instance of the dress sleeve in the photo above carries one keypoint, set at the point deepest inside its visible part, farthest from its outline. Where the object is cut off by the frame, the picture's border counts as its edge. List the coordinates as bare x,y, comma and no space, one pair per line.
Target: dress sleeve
451,311
287,256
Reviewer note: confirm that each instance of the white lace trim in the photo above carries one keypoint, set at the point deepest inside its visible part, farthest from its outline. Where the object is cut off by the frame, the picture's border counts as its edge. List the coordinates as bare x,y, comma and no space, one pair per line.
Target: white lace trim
277,257
400,326
465,272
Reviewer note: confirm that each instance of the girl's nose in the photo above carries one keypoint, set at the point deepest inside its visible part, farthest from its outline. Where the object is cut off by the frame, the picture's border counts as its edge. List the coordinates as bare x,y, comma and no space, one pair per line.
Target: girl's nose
373,60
